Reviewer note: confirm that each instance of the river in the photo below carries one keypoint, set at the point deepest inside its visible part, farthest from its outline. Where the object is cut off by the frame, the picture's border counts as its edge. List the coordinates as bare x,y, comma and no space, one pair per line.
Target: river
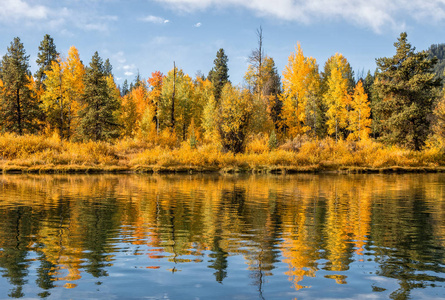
375,236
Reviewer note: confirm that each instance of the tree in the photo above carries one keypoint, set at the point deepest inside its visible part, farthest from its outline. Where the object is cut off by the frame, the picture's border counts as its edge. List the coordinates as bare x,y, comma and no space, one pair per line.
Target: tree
155,85
359,115
98,120
125,90
346,69
64,89
336,95
74,72
234,116
272,92
300,85
47,54
255,73
19,108
219,74
406,85
176,102
108,68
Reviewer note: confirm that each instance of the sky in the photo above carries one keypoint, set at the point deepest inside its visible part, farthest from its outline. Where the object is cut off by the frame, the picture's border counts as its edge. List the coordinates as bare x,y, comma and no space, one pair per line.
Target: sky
148,35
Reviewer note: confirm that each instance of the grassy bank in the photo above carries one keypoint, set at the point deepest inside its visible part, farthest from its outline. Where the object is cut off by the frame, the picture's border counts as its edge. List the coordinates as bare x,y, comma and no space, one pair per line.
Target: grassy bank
40,154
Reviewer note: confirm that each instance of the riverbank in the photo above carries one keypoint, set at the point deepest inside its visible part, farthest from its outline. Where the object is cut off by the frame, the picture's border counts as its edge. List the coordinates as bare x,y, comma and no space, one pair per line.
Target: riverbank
37,154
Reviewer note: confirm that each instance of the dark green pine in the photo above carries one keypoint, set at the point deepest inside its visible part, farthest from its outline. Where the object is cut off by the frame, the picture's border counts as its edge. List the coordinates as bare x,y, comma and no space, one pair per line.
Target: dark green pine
219,74
406,85
19,110
47,54
98,121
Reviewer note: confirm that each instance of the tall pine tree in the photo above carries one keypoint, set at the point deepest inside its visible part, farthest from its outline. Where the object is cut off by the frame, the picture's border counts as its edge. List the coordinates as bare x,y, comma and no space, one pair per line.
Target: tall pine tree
47,54
98,120
19,110
219,74
406,85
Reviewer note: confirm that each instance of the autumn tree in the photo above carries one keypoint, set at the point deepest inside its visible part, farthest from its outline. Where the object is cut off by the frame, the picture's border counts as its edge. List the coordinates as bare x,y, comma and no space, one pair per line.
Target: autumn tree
154,96
264,101
346,70
177,87
64,89
74,72
219,74
406,85
47,54
19,109
234,116
359,121
300,88
98,119
336,95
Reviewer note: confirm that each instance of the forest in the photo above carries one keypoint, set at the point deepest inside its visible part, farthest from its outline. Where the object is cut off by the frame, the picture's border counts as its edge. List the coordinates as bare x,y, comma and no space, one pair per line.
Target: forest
71,117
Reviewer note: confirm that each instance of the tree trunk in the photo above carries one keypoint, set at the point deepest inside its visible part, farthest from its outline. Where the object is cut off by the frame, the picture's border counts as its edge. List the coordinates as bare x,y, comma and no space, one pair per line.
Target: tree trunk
19,112
173,98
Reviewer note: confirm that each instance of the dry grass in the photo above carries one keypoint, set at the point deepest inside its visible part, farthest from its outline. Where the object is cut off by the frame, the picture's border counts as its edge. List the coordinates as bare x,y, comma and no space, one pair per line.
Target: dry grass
46,153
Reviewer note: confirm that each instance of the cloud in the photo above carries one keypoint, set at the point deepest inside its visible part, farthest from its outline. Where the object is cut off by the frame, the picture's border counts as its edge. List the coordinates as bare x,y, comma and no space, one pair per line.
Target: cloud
19,9
198,24
373,14
155,20
128,73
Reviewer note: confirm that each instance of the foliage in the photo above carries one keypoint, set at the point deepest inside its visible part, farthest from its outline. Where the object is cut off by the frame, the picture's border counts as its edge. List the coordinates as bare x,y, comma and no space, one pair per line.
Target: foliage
64,88
219,74
336,97
97,118
234,117
300,86
359,115
406,86
273,142
19,109
46,56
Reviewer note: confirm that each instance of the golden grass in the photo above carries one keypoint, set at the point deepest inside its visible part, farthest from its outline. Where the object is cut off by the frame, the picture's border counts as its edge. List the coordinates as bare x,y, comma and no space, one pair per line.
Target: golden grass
49,154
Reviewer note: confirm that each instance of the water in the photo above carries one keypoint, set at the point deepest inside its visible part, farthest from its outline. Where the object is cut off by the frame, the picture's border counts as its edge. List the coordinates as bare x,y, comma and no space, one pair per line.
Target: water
222,237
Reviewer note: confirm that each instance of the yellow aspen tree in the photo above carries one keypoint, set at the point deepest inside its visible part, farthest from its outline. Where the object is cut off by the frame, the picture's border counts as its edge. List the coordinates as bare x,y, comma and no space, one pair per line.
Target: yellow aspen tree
73,73
359,115
336,97
234,116
299,78
53,100
64,87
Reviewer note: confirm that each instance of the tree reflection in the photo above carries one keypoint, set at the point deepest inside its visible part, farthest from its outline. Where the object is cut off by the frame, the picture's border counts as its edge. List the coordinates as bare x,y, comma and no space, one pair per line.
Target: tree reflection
311,224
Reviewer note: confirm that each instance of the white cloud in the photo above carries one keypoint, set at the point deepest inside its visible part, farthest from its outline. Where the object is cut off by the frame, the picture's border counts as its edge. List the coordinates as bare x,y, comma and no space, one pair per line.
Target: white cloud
374,14
18,9
198,24
128,73
129,67
155,20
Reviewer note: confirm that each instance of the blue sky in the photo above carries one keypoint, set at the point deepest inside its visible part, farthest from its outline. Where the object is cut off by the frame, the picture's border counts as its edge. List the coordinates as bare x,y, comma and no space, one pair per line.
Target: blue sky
148,35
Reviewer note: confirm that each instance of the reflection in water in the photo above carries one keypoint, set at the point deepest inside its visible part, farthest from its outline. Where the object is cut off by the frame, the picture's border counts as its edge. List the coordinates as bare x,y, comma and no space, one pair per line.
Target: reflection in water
67,231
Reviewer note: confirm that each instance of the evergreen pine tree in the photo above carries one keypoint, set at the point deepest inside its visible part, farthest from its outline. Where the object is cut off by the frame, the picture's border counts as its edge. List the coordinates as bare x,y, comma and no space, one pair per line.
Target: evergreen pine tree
108,68
19,110
47,54
406,85
219,74
124,89
98,120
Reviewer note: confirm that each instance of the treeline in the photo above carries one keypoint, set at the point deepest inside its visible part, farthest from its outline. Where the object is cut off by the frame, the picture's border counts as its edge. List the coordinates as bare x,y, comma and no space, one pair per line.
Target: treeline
400,104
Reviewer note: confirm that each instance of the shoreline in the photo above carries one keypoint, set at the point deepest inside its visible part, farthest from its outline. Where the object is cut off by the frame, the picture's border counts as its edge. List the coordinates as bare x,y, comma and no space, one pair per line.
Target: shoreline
150,169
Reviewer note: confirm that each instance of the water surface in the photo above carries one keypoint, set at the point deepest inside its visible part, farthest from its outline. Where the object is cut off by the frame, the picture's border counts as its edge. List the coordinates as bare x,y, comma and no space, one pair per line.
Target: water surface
222,237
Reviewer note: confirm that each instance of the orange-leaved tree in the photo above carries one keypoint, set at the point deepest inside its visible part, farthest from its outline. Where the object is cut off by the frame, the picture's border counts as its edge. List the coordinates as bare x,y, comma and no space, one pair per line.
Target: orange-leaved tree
336,95
359,115
300,84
